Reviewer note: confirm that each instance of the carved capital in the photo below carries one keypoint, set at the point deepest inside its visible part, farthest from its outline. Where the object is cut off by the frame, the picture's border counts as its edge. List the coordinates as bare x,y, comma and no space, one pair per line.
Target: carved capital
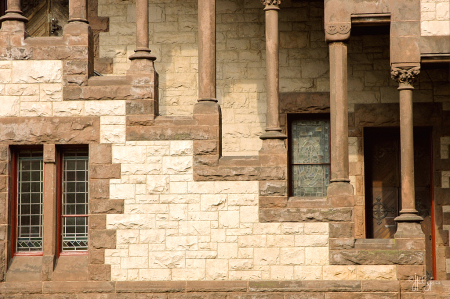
337,31
405,75
271,4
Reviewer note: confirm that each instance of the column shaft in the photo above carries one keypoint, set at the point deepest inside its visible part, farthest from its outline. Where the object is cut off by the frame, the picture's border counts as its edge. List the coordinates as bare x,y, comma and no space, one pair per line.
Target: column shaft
339,112
207,50
272,70
78,11
13,6
141,24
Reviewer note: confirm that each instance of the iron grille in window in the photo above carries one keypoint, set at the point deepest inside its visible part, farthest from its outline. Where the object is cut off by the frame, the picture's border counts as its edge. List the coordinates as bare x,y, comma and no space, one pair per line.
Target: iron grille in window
30,187
310,157
75,201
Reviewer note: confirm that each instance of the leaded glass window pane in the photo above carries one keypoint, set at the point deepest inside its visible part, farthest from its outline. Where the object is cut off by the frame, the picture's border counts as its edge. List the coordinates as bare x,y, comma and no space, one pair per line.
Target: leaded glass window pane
30,186
310,156
75,201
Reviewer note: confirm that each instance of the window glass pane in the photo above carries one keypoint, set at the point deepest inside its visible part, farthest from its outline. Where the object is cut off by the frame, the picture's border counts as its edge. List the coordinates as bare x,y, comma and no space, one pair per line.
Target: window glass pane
310,143
75,204
29,201
311,180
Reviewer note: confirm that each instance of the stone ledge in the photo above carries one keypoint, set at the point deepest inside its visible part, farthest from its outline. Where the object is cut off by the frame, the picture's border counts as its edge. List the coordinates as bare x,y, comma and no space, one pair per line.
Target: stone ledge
302,215
306,286
377,257
150,286
77,287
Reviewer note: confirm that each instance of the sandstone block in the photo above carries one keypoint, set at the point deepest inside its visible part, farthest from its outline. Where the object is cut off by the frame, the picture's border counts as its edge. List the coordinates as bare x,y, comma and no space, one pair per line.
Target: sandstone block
228,219
292,256
72,108
339,272
50,92
21,89
213,202
378,272
256,241
316,256
130,221
35,109
227,250
126,237
112,134
280,241
216,269
36,71
154,274
177,165
10,106
266,256
282,272
307,272
188,274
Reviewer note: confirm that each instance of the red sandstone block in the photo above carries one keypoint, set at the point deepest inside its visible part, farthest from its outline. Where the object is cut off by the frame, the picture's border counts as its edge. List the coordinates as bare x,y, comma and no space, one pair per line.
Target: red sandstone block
104,171
100,154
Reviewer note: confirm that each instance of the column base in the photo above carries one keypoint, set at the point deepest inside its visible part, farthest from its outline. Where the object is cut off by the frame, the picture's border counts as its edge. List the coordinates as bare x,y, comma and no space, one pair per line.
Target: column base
142,54
13,16
408,217
409,230
208,100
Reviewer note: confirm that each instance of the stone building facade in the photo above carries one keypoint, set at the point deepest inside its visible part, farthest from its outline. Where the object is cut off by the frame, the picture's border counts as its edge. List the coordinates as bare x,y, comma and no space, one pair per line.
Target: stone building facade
225,149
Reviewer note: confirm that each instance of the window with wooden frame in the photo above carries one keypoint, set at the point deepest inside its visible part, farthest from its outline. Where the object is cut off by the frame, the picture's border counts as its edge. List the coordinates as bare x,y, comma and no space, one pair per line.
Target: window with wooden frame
73,200
309,154
28,195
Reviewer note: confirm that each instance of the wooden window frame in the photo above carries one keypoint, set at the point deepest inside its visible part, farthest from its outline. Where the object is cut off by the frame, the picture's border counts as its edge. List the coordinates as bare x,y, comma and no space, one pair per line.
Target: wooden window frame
59,199
14,185
291,117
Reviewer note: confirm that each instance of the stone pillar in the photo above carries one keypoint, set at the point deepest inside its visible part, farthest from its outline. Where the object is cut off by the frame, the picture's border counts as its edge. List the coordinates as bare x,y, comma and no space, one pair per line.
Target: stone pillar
405,76
273,130
13,12
78,11
339,112
207,50
142,51
50,208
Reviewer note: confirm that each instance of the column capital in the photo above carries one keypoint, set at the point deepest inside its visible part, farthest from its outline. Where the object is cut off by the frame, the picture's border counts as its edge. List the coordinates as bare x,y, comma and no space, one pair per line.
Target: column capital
337,31
405,75
271,4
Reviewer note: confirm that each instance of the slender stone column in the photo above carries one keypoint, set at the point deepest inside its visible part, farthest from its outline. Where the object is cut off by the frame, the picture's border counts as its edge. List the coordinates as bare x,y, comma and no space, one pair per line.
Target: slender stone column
339,112
405,76
273,130
142,51
207,50
13,12
78,11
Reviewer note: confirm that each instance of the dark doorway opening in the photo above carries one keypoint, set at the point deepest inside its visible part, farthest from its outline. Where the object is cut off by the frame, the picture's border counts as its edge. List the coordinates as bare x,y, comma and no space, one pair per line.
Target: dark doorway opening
383,183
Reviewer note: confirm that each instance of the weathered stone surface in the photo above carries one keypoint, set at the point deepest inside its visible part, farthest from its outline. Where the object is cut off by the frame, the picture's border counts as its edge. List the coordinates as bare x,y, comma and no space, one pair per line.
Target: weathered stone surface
100,239
376,257
104,171
286,215
73,130
102,206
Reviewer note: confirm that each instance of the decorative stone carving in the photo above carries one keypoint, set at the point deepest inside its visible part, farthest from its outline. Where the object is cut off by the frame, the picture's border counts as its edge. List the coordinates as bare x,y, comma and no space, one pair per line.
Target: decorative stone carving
337,31
405,76
271,4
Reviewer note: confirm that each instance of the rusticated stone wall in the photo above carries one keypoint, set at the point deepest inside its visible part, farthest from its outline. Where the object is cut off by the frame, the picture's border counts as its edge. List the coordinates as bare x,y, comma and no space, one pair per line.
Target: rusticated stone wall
435,17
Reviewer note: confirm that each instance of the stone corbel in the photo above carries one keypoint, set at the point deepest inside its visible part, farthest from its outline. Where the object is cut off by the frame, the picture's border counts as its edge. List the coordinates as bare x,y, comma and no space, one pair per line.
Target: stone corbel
337,31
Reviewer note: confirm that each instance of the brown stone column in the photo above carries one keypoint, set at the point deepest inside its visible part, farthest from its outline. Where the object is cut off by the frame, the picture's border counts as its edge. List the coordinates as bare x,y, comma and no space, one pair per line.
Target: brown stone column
50,208
273,130
339,112
405,76
78,11
142,51
207,50
13,12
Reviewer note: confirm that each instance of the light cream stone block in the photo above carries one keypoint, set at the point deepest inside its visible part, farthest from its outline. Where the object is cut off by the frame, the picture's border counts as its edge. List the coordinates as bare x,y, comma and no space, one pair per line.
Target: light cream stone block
125,236
181,148
21,89
201,254
140,169
242,199
236,187
227,250
442,11
316,228
316,256
245,275
292,256
339,272
105,108
292,228
256,241
10,106
376,272
445,179
280,241
281,272
180,198
201,187
134,262
188,274
249,214
154,274
174,259
157,236
177,165
118,274
266,256
430,28
51,92
129,154
241,264
130,221
138,250
307,272
69,108
311,240
266,228
36,71
157,184
195,228
35,109
200,216
445,146
122,191
216,269
213,202
228,219
182,243
112,134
